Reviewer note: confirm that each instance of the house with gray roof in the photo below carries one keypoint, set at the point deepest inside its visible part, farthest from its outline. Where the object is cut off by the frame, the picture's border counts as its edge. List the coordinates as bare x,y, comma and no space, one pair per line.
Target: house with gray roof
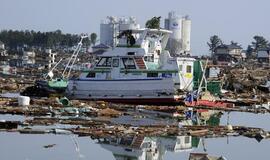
227,53
263,55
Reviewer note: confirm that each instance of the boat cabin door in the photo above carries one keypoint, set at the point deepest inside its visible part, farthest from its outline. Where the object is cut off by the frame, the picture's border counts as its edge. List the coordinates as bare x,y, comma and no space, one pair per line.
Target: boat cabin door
115,73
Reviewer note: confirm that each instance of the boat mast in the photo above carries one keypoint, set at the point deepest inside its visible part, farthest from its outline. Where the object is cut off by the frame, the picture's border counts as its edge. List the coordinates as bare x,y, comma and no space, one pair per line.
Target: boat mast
73,58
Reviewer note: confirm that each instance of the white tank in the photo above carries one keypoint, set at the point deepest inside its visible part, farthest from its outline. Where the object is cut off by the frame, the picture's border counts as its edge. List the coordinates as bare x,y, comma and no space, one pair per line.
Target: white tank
174,23
107,33
123,27
186,30
110,28
128,23
23,101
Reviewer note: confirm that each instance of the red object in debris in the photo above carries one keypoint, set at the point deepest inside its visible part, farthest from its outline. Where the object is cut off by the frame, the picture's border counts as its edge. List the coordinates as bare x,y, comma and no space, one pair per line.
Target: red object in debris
209,104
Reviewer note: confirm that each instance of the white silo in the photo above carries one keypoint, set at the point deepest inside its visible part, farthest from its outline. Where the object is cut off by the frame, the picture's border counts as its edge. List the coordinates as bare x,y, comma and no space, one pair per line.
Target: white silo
186,31
108,30
174,23
128,24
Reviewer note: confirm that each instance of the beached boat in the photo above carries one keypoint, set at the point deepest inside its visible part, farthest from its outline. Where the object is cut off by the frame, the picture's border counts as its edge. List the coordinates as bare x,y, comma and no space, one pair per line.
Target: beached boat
138,70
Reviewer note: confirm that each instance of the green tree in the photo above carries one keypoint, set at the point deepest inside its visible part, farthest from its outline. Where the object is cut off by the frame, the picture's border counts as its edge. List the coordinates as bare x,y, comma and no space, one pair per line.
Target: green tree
234,43
153,23
214,42
249,51
93,38
41,39
259,43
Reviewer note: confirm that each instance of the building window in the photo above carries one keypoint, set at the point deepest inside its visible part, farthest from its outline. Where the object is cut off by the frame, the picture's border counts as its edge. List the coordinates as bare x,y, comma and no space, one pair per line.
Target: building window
152,74
188,69
105,62
129,63
91,75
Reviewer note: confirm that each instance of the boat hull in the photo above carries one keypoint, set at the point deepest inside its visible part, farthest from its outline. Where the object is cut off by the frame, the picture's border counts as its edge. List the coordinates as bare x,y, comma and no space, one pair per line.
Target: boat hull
132,91
143,101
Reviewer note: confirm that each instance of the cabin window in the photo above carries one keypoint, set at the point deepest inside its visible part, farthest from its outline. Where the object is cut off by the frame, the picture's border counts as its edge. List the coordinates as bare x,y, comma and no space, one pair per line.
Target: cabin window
187,139
131,53
188,69
115,62
129,63
105,62
152,74
91,75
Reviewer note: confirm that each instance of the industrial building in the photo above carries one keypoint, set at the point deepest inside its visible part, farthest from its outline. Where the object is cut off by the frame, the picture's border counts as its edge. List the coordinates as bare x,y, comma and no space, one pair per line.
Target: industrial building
112,26
179,42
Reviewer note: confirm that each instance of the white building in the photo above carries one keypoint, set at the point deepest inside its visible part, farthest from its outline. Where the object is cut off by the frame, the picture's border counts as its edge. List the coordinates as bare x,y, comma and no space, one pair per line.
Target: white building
263,55
179,42
110,28
47,59
29,57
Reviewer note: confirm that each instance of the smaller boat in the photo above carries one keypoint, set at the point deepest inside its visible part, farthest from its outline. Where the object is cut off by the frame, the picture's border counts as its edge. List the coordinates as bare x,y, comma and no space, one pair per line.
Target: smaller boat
45,88
54,86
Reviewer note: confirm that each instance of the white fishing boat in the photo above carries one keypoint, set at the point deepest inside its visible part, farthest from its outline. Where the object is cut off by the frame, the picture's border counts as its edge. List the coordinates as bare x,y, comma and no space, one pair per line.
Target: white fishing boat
137,70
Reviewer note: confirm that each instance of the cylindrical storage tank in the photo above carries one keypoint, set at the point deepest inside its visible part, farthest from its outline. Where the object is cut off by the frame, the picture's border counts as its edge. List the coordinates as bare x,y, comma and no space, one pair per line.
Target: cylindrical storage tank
23,101
167,24
106,34
175,27
186,30
130,26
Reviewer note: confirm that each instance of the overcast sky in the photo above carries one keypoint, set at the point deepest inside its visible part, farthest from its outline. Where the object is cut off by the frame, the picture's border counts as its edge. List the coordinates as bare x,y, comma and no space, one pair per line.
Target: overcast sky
237,20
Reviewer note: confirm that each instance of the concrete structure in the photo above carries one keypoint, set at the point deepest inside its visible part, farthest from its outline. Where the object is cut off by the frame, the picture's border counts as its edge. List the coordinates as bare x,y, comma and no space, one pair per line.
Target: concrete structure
29,57
110,28
179,42
186,31
47,59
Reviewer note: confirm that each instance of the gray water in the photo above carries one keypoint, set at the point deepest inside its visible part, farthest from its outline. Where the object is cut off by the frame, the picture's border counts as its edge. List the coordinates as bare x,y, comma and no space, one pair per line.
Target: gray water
14,146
